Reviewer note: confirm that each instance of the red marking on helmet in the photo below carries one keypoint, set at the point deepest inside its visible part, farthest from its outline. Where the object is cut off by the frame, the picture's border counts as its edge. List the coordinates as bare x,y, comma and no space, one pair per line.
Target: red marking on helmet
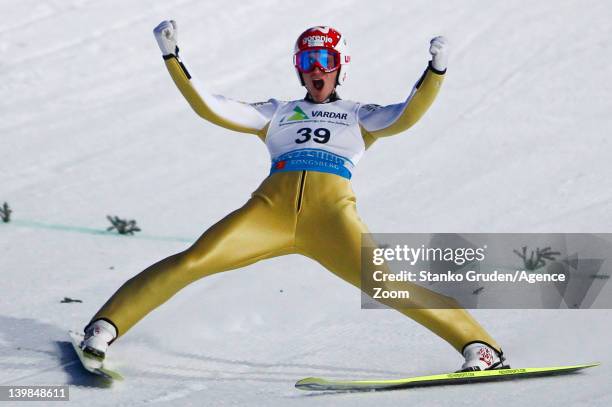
280,165
319,37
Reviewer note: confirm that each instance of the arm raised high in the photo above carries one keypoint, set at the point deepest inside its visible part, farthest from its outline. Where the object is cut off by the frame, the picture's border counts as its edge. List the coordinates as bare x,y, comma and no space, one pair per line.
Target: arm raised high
230,114
382,121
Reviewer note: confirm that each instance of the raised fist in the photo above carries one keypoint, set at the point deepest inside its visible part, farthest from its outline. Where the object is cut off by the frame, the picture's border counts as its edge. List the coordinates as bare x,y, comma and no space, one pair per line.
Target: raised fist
166,34
439,53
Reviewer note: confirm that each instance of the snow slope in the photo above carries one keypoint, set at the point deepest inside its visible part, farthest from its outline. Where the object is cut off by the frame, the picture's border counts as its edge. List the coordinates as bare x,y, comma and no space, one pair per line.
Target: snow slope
91,124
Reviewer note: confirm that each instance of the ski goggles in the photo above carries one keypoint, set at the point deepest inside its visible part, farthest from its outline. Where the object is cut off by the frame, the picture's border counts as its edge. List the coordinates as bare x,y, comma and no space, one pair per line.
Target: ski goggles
328,60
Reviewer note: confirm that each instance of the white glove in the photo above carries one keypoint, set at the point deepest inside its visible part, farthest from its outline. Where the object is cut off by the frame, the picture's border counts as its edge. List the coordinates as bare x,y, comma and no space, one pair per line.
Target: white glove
439,53
166,34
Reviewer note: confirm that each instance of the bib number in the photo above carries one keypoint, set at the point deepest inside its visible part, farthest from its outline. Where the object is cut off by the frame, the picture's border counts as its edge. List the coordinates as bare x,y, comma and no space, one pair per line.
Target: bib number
320,135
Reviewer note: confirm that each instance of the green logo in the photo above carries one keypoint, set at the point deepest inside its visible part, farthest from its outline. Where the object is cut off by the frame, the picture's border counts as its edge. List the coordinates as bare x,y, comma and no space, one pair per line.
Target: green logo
298,114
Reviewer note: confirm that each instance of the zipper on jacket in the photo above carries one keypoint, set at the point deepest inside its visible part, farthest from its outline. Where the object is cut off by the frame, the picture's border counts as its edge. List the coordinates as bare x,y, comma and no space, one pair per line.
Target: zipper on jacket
301,190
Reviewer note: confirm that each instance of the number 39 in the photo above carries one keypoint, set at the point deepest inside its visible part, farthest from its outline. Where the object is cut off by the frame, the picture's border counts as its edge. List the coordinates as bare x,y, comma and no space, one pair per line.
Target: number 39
320,135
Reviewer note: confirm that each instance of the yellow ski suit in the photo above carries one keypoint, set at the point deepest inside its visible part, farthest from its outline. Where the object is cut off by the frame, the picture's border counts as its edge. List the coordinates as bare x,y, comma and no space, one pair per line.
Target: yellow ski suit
309,212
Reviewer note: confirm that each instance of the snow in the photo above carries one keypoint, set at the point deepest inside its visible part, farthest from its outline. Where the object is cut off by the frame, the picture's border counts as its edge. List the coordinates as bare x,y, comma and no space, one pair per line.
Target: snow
91,125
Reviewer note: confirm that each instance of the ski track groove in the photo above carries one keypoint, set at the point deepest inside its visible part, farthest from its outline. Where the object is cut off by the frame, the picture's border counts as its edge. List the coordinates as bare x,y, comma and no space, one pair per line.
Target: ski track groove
492,95
602,203
7,28
39,372
297,373
472,36
95,35
52,227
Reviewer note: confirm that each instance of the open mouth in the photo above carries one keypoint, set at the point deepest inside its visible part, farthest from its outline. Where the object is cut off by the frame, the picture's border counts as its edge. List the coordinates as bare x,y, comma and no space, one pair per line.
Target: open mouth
318,84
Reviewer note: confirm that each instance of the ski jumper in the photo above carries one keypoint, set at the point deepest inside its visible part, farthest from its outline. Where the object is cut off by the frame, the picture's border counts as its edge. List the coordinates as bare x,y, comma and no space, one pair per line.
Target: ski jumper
306,204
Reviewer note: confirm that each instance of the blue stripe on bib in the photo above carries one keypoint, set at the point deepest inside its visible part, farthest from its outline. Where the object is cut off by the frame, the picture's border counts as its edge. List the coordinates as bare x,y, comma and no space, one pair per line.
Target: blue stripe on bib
312,159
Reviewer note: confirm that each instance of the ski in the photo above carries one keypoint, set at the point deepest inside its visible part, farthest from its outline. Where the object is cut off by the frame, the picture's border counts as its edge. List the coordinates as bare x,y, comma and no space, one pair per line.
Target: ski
320,384
91,364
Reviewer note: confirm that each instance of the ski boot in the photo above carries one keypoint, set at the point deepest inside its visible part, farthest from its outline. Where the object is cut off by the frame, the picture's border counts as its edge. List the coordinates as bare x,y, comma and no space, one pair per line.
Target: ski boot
480,356
98,335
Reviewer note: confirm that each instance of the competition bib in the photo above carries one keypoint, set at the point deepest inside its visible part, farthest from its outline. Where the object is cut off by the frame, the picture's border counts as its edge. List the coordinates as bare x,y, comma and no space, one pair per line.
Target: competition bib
315,137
